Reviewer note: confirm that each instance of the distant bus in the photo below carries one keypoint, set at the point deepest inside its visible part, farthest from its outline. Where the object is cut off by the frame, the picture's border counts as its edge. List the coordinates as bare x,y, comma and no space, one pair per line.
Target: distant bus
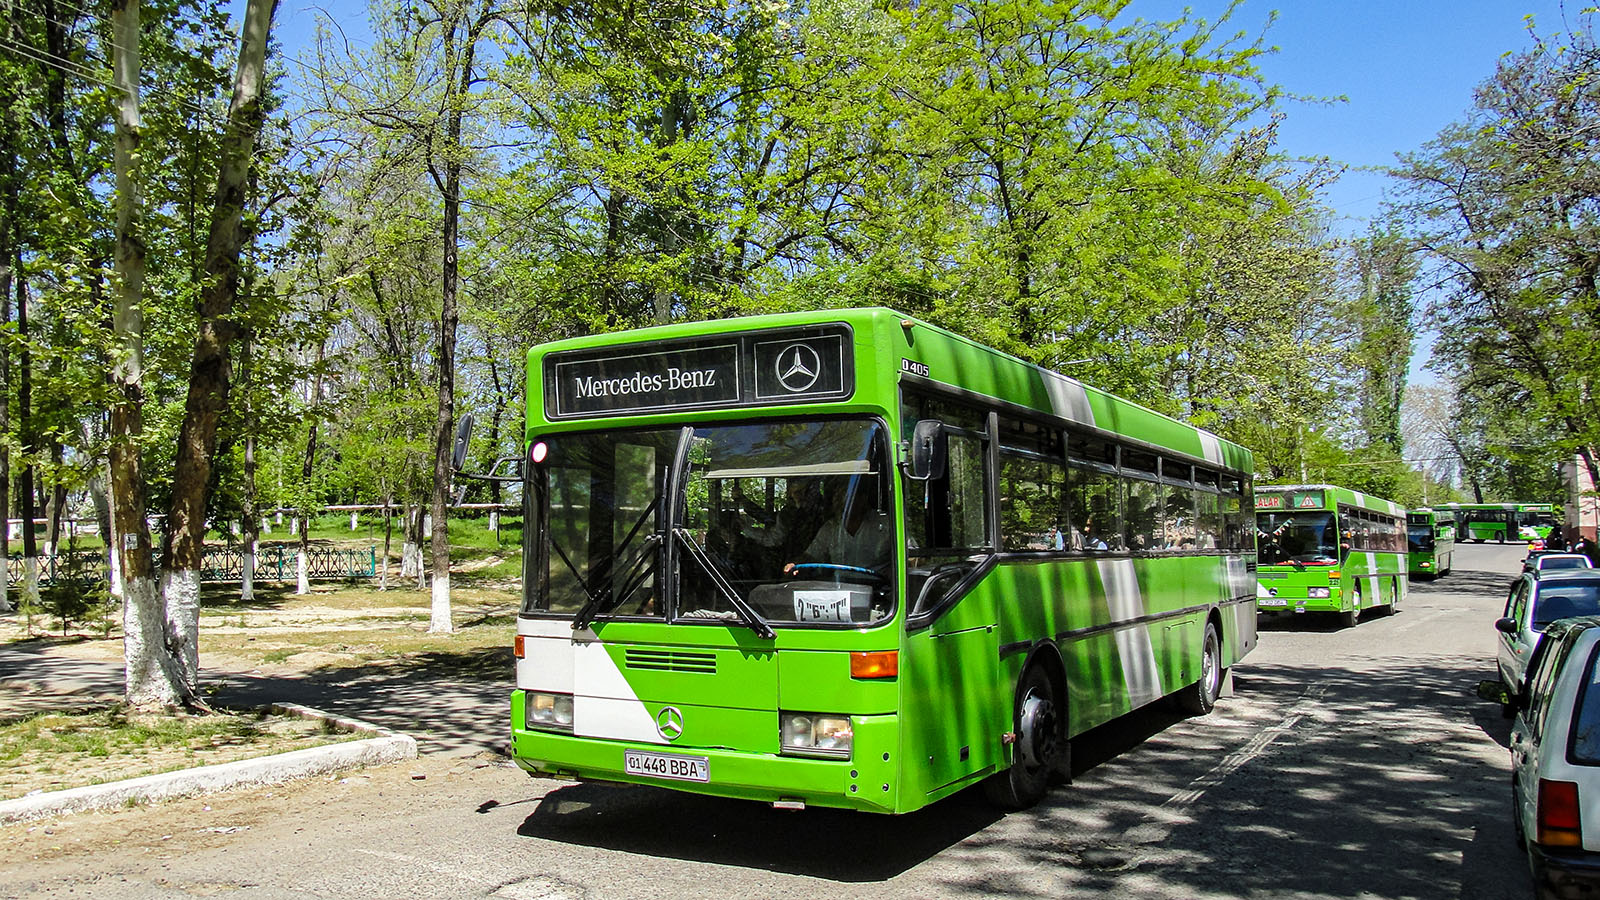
847,558
1322,548
1431,540
1502,521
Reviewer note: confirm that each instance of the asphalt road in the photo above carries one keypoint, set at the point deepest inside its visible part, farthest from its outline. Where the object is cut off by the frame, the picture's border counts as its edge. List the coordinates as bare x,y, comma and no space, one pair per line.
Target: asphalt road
1348,763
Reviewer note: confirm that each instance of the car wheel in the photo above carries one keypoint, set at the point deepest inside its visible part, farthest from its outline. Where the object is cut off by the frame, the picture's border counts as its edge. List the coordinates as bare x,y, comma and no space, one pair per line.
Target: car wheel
1038,749
1518,834
1201,697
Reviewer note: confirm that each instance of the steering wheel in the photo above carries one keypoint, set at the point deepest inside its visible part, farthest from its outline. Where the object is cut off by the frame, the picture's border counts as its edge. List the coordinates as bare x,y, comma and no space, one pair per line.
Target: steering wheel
835,567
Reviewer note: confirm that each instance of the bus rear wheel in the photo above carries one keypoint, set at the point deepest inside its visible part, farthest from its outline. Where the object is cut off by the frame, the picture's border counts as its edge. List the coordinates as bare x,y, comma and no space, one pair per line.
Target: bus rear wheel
1038,748
1201,697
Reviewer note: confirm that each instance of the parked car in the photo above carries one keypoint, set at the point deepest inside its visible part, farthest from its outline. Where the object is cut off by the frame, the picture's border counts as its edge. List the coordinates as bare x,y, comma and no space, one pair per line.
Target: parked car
1555,759
1536,600
1545,562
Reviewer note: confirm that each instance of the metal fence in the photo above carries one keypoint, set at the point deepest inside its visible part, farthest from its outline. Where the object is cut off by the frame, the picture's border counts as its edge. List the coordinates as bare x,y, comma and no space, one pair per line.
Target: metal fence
274,562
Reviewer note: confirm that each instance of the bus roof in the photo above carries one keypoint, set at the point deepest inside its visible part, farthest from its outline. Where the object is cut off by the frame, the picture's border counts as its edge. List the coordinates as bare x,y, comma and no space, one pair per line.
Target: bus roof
1339,495
896,349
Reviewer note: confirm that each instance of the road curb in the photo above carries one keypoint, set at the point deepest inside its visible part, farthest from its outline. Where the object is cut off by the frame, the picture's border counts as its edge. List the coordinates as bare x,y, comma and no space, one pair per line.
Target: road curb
384,747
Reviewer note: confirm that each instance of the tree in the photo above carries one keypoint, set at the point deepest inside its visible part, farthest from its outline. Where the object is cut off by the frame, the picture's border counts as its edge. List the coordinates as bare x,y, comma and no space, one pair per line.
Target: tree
1504,204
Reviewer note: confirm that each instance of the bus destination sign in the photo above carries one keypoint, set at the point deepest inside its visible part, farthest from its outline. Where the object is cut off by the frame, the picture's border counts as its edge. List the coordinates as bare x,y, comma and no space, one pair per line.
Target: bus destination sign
1296,500
755,369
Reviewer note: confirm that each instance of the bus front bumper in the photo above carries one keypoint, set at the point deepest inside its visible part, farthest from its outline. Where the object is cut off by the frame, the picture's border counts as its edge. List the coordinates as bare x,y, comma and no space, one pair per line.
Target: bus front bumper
866,781
1295,599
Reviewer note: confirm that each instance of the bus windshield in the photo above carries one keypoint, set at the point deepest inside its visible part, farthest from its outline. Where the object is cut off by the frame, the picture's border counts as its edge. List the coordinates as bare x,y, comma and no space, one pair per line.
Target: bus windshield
1420,538
1302,537
781,523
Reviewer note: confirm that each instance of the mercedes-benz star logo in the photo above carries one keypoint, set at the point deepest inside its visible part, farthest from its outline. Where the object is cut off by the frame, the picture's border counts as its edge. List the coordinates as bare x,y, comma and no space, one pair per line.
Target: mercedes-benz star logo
798,367
669,723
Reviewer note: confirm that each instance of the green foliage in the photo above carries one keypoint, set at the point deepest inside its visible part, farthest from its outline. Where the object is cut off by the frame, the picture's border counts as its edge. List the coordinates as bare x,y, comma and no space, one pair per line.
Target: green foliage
1504,202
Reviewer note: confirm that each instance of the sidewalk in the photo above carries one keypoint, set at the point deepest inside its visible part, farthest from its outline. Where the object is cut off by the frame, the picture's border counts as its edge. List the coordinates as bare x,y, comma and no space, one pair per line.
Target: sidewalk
448,717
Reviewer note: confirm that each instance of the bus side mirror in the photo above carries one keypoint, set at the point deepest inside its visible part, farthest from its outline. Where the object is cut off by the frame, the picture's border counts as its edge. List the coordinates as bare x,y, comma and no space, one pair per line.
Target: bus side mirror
930,451
463,438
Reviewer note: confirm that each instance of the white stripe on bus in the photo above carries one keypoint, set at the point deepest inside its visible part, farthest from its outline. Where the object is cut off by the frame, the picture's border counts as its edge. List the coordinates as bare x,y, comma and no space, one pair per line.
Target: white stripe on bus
1139,670
1068,398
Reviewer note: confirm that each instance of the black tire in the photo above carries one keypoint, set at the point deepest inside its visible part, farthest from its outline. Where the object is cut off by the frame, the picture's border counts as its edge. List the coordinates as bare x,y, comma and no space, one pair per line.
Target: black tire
1517,834
1201,697
1039,750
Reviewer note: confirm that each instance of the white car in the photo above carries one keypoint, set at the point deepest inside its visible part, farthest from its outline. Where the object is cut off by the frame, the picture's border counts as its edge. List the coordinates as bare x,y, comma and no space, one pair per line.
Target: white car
1549,562
1536,600
1555,760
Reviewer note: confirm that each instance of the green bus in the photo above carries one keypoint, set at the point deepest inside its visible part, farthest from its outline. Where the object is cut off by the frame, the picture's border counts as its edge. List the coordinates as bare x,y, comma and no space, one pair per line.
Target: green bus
1431,542
1503,521
850,559
1329,549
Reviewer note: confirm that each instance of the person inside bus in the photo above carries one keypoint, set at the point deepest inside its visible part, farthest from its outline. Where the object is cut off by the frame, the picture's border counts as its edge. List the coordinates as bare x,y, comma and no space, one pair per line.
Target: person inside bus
1091,537
856,533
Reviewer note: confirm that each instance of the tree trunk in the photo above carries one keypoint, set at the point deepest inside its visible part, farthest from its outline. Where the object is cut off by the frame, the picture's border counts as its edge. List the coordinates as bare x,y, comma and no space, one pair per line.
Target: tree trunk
388,533
444,426
153,676
25,486
209,369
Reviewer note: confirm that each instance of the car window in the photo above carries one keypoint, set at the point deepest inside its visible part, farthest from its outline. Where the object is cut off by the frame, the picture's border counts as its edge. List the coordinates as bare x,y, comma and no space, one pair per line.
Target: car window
1585,746
1544,681
1517,603
1563,562
1561,601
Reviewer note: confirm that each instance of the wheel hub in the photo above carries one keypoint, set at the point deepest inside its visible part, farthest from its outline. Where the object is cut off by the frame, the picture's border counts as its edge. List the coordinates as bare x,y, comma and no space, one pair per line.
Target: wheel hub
1037,737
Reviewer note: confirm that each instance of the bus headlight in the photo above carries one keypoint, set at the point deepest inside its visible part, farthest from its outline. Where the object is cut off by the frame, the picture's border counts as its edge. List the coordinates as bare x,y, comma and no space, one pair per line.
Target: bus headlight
549,711
815,734
1317,593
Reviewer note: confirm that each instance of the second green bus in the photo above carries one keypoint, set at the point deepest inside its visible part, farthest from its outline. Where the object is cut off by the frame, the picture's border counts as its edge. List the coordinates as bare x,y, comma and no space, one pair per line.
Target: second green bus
1328,549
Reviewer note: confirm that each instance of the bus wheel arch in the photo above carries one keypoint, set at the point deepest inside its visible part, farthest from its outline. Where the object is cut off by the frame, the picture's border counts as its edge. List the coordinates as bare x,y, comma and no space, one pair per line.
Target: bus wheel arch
1200,697
1038,732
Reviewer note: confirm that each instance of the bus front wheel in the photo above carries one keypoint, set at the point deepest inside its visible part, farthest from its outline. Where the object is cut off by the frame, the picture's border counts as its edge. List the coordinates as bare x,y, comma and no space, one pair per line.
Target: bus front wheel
1037,747
1201,697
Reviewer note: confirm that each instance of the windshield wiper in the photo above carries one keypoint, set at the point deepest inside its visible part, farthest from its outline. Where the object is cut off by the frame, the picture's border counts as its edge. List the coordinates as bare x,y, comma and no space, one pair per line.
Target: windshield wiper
745,610
602,602
587,611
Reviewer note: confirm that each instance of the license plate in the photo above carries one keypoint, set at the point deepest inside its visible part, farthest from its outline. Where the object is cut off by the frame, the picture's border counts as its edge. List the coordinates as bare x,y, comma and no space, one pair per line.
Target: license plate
1271,601
665,765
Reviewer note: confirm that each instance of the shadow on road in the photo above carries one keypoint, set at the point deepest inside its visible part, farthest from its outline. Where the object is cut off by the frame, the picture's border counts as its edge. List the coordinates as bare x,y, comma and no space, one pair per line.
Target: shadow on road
1372,783
1331,781
821,843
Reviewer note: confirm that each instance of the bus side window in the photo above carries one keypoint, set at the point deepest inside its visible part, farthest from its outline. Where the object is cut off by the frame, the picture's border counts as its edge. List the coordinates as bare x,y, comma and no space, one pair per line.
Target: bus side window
948,513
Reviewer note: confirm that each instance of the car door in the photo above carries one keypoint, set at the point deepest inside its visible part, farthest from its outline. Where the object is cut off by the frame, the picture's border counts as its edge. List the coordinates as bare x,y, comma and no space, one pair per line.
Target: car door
1516,649
1528,727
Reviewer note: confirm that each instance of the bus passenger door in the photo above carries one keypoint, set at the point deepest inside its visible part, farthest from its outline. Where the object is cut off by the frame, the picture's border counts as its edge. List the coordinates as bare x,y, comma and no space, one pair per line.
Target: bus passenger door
951,712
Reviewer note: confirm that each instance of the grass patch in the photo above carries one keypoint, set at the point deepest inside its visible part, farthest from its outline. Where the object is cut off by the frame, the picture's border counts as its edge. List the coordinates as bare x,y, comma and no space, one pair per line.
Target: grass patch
52,751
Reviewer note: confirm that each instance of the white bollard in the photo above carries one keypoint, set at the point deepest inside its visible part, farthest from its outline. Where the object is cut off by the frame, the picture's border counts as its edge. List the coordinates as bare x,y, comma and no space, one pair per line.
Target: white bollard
494,520
353,525
294,525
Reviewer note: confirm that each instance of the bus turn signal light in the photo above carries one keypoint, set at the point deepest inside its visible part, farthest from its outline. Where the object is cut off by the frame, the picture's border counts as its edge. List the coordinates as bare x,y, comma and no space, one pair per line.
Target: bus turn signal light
518,649
1558,814
877,664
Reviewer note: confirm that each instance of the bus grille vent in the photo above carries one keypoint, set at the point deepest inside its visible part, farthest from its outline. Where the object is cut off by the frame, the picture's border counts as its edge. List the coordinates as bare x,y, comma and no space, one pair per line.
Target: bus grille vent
672,661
